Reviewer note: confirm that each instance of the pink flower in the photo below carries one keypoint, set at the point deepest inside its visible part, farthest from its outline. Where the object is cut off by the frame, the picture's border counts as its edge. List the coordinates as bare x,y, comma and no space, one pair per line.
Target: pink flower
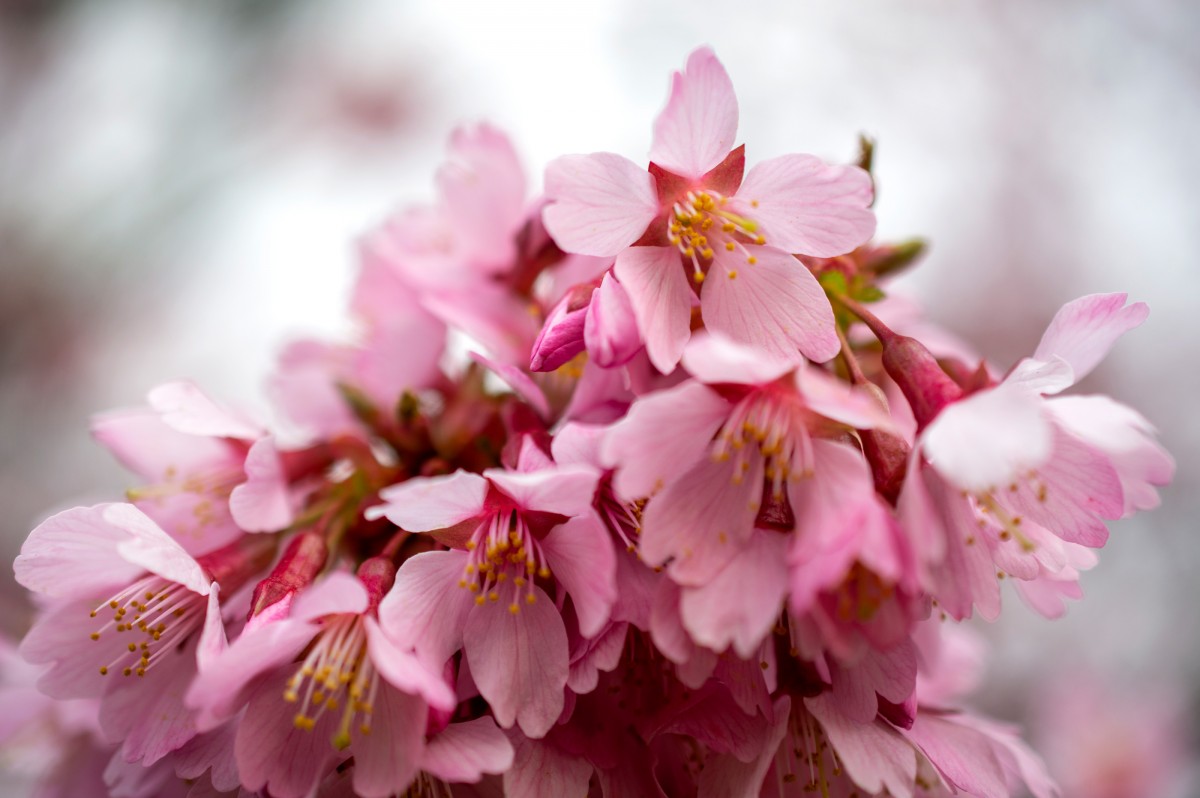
1011,480
134,613
325,683
693,212
515,535
709,452
211,472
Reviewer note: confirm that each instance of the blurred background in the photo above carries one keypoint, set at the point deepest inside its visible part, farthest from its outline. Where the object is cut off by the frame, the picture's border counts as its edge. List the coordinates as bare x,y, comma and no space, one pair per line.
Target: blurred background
181,185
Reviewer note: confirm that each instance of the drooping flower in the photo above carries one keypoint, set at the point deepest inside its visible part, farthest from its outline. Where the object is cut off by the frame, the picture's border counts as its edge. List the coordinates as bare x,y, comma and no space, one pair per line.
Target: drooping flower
693,213
1009,480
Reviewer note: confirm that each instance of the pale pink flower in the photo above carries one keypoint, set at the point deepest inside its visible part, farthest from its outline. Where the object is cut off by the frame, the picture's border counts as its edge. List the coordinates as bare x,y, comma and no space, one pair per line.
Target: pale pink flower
710,451
693,212
1010,480
325,683
514,535
211,473
134,614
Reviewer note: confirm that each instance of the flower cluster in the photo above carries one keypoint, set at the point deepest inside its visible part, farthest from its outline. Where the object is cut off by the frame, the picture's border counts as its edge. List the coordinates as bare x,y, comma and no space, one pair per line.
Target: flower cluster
688,514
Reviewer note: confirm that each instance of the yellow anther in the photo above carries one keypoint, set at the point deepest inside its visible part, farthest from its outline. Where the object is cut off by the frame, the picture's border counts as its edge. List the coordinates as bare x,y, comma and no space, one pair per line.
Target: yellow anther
471,545
514,608
544,572
760,240
103,670
530,598
291,696
493,596
730,246
752,260
698,277
479,600
707,254
732,274
301,721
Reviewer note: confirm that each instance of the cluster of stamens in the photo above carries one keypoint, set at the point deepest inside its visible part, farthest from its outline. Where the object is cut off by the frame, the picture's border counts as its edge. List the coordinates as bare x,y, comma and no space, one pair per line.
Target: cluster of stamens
772,426
992,513
212,487
337,674
702,222
504,557
159,612
806,753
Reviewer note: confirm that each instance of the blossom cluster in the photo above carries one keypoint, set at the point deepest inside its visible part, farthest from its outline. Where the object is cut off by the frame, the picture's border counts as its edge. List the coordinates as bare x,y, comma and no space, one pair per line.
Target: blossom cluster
642,487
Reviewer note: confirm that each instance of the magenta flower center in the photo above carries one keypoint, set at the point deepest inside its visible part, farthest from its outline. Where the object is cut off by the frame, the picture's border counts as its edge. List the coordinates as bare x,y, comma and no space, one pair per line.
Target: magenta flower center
504,560
337,675
703,222
158,616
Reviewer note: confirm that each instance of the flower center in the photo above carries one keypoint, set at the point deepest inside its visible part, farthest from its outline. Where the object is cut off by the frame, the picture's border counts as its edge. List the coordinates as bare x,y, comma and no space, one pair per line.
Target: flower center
158,614
768,425
336,674
704,222
505,558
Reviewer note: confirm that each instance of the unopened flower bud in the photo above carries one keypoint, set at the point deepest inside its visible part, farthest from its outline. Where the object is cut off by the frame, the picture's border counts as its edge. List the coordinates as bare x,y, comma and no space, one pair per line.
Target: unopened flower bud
300,564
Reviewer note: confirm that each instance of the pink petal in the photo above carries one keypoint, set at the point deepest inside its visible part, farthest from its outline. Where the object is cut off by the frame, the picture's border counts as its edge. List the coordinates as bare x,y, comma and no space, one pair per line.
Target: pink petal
263,502
662,436
74,554
519,381
578,444
775,304
740,606
963,756
610,327
1125,437
339,592
809,207
695,131
727,775
519,662
154,550
404,671
890,674
850,404
463,752
426,608
272,753
540,770
713,358
580,555
184,407
988,438
1083,331
1081,488
219,689
154,451
1042,376
424,504
490,314
874,756
702,519
483,189
387,759
212,634
566,490
600,203
148,714
600,654
657,286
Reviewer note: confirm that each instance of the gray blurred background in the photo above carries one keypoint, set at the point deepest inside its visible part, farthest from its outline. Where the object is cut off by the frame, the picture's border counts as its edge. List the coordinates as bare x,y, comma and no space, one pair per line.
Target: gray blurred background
181,184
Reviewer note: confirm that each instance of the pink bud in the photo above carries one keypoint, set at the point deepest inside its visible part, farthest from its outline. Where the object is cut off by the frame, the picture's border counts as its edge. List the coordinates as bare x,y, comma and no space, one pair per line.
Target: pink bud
300,564
918,375
236,564
561,337
377,574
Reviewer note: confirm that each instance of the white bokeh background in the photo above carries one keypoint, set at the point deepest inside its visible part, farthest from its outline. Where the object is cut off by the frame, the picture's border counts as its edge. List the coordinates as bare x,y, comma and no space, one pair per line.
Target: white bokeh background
181,185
